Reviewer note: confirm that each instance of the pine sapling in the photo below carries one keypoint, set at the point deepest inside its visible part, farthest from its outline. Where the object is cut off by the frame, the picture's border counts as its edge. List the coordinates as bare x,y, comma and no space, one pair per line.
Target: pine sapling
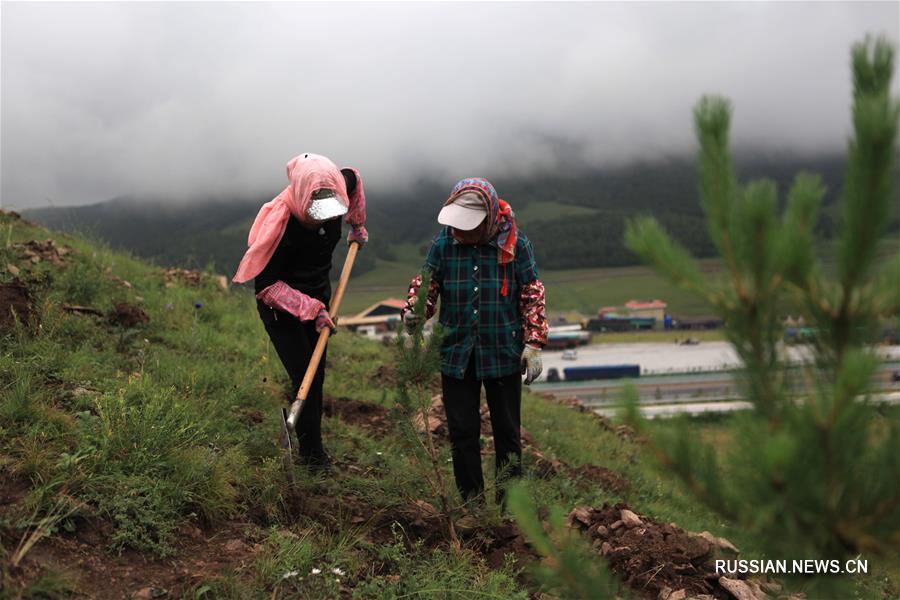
814,469
418,360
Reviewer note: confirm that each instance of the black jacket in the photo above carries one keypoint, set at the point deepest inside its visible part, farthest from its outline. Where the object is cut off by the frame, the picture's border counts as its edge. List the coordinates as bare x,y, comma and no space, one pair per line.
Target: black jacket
303,257
302,260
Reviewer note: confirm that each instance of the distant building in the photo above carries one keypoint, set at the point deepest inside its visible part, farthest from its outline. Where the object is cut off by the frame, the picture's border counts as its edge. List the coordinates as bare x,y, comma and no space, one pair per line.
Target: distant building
655,309
635,315
608,310
379,318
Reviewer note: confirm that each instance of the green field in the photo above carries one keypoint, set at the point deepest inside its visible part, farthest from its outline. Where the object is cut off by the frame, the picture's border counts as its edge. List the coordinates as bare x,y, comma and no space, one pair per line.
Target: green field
660,336
535,212
577,290
580,291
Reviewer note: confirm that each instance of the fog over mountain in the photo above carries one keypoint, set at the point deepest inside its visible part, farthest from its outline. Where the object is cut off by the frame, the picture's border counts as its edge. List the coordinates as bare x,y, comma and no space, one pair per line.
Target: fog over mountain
187,100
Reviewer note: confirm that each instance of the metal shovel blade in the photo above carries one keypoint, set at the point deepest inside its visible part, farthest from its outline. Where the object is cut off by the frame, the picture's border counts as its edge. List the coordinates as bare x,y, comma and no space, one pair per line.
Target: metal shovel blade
287,448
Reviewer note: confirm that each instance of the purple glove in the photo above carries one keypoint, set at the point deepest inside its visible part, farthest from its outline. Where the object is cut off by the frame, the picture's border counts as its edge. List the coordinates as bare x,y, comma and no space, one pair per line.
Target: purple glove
283,297
358,234
323,320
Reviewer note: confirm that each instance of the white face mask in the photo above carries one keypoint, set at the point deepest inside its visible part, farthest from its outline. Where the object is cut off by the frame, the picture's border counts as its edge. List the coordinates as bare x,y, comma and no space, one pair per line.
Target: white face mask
325,206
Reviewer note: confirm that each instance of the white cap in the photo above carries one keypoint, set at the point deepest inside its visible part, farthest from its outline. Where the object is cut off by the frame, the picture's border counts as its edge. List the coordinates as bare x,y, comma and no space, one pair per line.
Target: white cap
465,213
325,205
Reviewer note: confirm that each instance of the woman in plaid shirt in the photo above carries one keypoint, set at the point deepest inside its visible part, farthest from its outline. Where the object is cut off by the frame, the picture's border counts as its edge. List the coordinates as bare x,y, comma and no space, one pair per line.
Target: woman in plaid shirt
494,320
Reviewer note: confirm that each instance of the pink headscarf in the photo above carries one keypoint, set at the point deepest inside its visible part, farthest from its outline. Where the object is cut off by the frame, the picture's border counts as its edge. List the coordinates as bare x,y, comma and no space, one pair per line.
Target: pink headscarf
306,174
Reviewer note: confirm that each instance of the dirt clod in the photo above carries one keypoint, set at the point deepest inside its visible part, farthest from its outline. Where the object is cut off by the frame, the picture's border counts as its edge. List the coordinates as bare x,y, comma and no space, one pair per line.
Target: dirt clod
720,546
740,589
16,304
372,417
605,478
34,252
128,315
189,276
150,593
385,375
630,519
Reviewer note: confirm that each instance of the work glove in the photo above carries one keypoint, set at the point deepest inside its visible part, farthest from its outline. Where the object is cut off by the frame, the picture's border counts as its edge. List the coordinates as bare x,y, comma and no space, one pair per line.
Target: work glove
283,297
411,321
323,320
358,234
531,363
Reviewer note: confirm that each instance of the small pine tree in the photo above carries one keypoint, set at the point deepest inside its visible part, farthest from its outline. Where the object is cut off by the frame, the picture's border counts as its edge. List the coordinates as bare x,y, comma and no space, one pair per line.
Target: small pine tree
418,360
814,471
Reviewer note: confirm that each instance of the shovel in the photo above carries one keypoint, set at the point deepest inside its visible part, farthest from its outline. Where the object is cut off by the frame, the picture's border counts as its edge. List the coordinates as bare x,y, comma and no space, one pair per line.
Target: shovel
289,417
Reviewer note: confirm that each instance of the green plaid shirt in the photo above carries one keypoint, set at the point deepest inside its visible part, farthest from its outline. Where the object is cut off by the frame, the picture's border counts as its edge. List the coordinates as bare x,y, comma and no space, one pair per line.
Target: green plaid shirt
474,316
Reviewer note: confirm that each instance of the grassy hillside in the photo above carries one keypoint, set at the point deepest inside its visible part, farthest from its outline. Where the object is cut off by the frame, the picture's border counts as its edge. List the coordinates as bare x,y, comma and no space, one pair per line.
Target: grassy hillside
138,455
579,290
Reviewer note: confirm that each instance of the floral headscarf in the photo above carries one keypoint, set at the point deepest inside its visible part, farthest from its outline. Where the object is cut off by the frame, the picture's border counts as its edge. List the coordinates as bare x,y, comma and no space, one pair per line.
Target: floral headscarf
500,218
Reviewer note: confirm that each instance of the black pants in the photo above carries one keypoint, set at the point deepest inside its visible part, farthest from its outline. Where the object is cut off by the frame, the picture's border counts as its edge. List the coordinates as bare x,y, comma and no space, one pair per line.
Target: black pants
462,402
294,342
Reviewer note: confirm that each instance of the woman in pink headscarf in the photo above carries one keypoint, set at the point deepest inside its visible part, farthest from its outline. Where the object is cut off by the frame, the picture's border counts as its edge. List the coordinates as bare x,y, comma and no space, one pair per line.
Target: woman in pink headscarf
289,257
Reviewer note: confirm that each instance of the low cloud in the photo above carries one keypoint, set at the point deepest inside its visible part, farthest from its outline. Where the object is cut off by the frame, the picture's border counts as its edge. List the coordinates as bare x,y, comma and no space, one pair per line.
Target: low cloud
182,100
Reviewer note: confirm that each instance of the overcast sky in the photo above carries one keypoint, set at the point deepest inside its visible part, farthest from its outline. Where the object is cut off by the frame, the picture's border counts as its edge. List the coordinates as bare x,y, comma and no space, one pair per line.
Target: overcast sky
180,100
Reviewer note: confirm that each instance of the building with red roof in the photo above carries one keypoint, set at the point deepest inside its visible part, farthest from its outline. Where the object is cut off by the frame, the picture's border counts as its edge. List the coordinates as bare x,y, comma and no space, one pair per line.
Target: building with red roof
378,318
647,308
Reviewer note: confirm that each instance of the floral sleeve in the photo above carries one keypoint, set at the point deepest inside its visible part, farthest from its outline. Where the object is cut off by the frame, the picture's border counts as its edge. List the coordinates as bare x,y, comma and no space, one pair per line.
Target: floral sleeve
434,290
283,297
532,306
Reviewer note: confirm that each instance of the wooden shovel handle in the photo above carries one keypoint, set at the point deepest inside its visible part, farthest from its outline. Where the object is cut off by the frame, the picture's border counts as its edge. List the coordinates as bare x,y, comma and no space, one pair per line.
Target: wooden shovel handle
323,337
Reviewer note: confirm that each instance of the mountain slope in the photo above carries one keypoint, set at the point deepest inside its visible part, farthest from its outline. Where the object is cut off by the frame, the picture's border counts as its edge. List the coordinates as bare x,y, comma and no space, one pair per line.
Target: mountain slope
138,418
593,205
138,450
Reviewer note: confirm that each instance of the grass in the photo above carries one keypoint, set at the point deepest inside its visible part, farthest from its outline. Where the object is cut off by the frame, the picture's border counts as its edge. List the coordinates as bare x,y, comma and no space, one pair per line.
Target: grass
657,336
173,425
576,290
535,212
580,291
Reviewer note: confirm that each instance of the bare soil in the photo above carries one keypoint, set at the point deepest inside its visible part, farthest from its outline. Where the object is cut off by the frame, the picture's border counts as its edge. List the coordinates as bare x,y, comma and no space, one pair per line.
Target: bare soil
16,303
128,316
650,556
95,572
371,417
